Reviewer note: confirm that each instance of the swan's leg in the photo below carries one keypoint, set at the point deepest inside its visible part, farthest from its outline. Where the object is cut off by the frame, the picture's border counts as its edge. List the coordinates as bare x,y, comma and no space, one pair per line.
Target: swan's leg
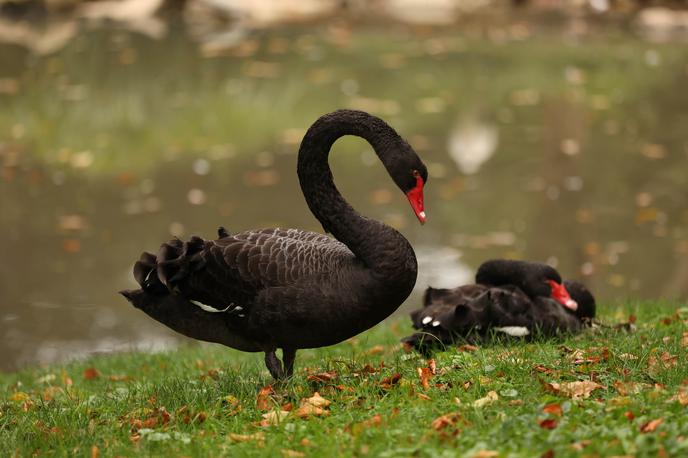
274,365
288,356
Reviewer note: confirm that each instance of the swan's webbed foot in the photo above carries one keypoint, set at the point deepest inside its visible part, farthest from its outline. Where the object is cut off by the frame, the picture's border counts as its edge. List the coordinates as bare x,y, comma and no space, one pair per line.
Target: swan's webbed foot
274,365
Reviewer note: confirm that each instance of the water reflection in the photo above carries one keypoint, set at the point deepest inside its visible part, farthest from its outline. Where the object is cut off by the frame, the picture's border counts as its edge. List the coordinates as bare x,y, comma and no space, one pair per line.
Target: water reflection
570,154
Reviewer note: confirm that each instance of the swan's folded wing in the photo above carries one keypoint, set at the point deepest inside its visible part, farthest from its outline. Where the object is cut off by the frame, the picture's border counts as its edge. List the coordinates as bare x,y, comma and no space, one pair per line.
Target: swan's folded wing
236,268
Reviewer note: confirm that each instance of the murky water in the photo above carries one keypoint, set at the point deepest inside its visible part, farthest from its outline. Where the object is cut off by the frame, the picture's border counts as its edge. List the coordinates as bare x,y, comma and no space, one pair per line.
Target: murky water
542,143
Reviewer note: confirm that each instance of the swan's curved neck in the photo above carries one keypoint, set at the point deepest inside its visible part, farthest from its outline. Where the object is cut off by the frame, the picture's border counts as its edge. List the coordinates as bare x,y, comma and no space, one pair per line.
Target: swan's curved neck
379,246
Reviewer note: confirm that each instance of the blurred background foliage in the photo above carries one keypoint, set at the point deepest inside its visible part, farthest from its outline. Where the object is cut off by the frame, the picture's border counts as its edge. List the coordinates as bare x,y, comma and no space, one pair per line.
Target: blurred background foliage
553,130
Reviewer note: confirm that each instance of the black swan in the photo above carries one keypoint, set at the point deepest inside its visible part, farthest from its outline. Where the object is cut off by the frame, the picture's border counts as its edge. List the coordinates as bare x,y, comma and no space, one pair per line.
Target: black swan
261,290
516,298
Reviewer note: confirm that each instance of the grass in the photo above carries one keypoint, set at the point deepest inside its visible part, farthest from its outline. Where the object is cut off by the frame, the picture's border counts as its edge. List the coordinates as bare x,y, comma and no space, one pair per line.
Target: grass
496,400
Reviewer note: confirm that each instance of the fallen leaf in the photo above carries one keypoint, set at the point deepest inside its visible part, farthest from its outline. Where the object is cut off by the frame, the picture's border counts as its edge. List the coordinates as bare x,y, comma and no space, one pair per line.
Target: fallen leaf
629,415
425,374
651,425
258,437
390,382
376,350
432,365
554,409
626,388
575,390
445,421
322,377
485,454
19,396
263,399
317,401
232,404
91,373
308,410
423,397
274,417
489,399
682,397
548,454
549,423
292,453
95,451
581,445
468,348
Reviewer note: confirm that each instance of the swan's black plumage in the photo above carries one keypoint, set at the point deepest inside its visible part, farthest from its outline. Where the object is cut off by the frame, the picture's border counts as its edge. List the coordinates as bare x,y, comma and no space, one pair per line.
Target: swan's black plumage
292,289
507,297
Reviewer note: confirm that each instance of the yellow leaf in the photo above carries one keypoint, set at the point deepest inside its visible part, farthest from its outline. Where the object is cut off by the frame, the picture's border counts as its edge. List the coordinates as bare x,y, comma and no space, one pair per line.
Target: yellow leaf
19,396
489,399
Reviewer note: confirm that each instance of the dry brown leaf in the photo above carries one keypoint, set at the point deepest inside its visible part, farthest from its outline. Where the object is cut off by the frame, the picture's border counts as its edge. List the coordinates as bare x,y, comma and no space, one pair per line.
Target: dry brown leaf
432,365
445,421
95,451
486,454
626,388
488,399
292,453
468,347
263,399
423,397
308,410
684,339
554,409
682,397
322,377
390,382
575,390
91,373
274,417
581,445
316,400
425,374
258,437
549,423
376,350
651,425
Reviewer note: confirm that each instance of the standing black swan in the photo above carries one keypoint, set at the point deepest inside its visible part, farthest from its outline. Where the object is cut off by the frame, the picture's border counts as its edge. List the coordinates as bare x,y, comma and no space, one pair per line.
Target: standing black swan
261,290
516,298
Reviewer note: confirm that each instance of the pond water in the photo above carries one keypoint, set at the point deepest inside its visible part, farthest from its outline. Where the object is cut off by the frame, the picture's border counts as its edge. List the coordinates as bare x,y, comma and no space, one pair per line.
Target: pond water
543,142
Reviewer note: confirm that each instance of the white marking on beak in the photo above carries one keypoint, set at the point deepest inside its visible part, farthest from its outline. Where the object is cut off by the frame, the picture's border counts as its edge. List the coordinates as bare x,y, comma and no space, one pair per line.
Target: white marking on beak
210,309
427,320
514,331
436,323
422,214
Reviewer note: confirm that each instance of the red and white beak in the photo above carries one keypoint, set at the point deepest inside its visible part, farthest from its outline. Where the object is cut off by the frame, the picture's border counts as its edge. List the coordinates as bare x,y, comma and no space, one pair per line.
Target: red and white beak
415,197
562,296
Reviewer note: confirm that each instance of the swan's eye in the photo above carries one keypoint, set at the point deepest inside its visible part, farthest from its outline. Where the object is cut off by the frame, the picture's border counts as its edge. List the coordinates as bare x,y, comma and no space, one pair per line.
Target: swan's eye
415,173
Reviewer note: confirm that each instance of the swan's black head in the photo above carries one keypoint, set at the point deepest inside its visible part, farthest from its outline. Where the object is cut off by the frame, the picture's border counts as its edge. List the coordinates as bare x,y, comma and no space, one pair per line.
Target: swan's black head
584,298
410,175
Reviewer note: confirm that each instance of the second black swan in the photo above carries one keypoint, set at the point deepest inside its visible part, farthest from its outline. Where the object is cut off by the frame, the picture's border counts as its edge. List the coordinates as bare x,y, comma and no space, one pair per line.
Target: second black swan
268,289
515,298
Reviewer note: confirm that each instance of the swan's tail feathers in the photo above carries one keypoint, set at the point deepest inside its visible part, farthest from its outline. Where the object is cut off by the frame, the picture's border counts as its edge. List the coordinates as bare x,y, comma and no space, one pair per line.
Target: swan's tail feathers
146,276
176,260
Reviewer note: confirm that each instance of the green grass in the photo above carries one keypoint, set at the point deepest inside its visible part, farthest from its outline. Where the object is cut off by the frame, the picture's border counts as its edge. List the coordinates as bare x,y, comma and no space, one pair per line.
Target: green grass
195,401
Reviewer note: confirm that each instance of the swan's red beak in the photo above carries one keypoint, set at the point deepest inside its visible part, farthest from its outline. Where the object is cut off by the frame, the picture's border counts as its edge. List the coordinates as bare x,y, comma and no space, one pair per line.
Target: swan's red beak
562,296
415,197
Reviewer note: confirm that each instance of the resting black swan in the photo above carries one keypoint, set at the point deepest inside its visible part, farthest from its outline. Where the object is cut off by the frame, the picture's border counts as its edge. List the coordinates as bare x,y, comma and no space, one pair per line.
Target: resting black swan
516,298
261,290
